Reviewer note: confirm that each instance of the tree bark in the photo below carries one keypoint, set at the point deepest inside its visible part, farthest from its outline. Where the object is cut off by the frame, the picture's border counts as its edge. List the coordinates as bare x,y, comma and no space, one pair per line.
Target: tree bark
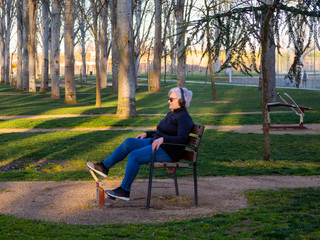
181,45
126,95
25,51
33,4
19,44
156,81
44,85
270,59
7,40
115,54
265,78
70,91
104,44
2,43
171,31
55,49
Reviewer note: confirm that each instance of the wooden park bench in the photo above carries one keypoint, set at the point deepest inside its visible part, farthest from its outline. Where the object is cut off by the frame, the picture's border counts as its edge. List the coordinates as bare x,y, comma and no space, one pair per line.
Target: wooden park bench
191,155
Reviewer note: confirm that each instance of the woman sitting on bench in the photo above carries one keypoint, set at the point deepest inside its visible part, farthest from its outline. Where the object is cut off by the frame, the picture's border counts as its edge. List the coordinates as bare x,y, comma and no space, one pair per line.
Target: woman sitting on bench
174,128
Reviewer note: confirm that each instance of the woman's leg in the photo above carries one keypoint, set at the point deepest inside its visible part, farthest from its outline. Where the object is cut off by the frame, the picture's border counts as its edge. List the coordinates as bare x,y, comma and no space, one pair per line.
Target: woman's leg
138,157
127,146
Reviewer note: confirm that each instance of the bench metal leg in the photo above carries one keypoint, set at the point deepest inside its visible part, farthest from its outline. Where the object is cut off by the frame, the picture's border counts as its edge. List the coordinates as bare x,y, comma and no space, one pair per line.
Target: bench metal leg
195,184
175,182
150,180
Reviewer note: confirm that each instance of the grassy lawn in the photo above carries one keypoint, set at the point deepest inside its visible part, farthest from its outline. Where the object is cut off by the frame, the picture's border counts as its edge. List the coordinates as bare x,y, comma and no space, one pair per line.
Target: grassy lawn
236,99
62,155
282,214
58,156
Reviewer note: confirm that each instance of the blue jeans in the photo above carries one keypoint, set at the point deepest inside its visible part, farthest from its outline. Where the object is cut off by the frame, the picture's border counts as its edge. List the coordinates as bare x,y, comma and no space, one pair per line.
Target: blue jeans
140,153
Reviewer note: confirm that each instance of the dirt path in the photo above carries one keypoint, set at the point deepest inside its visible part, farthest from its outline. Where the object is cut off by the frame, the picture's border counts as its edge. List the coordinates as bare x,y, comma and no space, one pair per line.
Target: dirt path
312,129
73,202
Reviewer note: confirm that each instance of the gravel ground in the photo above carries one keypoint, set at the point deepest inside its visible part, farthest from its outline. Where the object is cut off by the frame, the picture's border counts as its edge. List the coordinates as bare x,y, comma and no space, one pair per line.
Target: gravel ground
74,202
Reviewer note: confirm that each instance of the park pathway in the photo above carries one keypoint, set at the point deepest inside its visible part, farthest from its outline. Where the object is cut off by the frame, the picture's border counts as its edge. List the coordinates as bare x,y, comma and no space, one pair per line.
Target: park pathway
73,201
311,128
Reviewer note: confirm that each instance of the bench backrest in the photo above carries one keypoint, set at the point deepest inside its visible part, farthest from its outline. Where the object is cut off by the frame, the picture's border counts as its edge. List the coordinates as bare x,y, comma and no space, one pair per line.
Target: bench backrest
196,133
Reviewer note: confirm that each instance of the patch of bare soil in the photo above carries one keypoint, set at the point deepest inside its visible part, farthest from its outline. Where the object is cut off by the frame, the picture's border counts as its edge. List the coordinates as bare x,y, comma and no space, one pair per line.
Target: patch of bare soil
74,202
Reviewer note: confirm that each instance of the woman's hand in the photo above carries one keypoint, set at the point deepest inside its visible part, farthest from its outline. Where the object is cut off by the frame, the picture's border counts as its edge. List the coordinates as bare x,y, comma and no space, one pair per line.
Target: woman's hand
156,143
142,135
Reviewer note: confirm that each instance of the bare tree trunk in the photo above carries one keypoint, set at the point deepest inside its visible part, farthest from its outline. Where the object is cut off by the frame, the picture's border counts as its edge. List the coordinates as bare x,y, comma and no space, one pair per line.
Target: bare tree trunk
19,44
156,81
137,49
115,54
265,77
25,51
33,4
104,44
44,85
2,43
210,58
270,60
181,45
126,95
70,90
83,31
171,31
55,50
7,40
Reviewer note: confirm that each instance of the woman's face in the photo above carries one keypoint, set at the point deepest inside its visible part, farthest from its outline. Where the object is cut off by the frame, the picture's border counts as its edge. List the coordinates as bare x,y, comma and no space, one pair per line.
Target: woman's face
174,104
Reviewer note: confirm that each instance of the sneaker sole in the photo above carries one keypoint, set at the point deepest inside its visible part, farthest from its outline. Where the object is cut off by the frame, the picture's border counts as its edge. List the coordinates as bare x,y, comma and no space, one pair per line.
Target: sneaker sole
117,197
91,166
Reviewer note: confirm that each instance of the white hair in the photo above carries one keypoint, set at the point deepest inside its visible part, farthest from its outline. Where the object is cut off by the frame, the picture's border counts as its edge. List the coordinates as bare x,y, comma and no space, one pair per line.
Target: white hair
187,94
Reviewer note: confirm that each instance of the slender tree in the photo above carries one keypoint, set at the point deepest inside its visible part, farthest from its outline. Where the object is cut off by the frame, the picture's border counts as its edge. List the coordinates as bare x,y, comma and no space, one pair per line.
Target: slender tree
2,43
55,49
156,81
9,16
126,96
104,43
114,36
33,5
44,84
19,43
265,75
25,50
70,90
181,75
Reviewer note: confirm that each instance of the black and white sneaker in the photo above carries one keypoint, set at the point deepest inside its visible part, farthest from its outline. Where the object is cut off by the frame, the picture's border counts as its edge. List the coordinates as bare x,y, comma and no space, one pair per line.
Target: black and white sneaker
98,168
119,193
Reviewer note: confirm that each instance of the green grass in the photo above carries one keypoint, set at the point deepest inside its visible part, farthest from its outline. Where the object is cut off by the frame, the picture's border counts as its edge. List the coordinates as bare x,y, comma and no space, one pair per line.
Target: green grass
271,214
152,121
237,99
62,155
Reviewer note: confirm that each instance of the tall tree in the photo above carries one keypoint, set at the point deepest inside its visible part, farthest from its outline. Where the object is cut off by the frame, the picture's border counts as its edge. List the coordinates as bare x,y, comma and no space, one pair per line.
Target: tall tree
104,43
44,84
126,96
2,43
270,56
55,49
19,43
156,81
9,16
181,74
265,33
25,50
33,5
83,36
115,53
70,90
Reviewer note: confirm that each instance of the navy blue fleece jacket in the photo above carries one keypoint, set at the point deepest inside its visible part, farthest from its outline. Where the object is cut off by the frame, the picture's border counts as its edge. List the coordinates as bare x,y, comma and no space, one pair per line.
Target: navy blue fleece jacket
174,128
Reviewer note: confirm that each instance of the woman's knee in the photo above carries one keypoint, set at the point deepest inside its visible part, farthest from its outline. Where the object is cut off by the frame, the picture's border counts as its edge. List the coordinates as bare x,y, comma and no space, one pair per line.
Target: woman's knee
127,143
